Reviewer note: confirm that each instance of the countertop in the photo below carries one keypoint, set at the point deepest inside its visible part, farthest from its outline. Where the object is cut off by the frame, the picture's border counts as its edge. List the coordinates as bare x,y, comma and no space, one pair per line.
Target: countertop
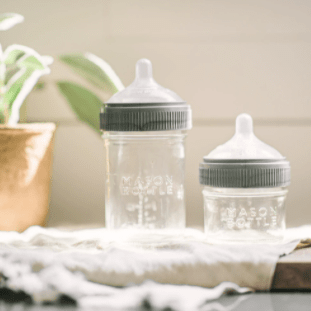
255,302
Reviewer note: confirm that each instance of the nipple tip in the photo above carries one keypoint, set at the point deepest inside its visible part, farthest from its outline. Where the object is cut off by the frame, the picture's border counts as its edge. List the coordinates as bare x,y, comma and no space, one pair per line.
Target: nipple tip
244,124
143,61
144,68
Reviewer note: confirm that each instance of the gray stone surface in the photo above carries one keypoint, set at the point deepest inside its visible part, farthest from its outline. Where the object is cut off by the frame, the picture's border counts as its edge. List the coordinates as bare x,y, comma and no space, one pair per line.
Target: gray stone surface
251,302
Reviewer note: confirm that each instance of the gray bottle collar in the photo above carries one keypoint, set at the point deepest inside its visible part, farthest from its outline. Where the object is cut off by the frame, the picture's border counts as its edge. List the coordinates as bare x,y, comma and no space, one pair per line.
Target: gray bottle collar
248,173
145,116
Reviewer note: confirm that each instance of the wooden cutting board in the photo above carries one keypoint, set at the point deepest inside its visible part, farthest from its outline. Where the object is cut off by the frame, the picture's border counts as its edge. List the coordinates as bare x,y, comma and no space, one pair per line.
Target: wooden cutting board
293,272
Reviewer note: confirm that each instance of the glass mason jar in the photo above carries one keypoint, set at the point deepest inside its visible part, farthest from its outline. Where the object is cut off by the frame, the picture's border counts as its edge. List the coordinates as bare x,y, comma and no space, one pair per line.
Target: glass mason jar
244,189
144,129
145,179
251,215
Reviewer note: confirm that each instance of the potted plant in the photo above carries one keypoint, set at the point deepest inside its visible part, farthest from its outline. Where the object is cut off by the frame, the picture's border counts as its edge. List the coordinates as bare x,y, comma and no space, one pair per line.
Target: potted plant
25,149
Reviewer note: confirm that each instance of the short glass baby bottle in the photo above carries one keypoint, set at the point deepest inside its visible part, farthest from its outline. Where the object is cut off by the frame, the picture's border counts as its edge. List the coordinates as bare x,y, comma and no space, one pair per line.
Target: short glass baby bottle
244,189
144,129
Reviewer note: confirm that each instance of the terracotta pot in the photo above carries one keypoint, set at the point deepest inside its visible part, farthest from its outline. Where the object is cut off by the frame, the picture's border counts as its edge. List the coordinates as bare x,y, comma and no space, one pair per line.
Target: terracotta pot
25,173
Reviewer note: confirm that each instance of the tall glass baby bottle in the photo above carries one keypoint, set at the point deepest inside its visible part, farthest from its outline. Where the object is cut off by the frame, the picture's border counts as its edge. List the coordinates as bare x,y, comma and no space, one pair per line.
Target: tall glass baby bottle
144,128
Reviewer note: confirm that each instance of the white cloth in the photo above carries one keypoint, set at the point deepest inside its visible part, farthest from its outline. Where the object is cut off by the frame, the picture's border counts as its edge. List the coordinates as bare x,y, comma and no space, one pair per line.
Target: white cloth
85,264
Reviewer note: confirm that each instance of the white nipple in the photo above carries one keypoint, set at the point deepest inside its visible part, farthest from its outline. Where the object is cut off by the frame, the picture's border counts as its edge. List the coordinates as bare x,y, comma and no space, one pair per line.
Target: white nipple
244,124
144,76
244,144
143,69
144,89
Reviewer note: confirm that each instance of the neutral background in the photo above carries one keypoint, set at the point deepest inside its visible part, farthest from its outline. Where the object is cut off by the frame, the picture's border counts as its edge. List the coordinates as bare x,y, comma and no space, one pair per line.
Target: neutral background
223,57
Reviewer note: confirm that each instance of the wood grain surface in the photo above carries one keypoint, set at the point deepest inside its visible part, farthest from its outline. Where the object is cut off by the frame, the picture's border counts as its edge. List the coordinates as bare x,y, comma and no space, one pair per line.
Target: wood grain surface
293,272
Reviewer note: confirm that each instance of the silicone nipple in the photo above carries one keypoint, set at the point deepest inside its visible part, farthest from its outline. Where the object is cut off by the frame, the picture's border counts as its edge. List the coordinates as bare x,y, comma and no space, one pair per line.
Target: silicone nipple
244,144
144,88
143,73
244,125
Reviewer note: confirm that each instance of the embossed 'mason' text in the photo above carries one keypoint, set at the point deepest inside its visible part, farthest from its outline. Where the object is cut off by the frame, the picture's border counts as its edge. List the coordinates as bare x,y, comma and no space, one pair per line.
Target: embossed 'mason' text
249,218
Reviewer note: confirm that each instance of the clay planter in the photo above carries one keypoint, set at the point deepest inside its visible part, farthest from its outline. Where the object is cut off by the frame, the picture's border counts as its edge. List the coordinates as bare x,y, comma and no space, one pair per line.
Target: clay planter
25,174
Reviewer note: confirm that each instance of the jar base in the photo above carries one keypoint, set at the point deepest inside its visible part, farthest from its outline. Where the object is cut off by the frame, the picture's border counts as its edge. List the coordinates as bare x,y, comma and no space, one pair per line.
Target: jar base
147,238
245,237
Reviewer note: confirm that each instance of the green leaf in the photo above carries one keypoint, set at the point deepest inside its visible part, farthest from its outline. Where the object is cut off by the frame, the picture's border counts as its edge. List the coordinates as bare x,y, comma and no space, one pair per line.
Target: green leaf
24,56
8,20
95,70
18,87
13,90
31,62
24,66
13,56
83,102
10,72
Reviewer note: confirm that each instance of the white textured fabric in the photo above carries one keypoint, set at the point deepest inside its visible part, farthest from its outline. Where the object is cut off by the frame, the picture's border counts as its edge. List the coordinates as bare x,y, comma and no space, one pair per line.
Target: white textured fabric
85,264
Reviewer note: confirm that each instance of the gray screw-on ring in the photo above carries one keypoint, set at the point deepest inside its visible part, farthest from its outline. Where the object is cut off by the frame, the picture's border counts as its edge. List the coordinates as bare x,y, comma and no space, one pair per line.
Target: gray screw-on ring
145,117
261,173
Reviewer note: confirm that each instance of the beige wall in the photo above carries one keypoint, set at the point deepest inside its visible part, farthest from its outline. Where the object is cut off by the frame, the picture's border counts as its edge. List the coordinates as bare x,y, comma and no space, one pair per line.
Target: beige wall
224,57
